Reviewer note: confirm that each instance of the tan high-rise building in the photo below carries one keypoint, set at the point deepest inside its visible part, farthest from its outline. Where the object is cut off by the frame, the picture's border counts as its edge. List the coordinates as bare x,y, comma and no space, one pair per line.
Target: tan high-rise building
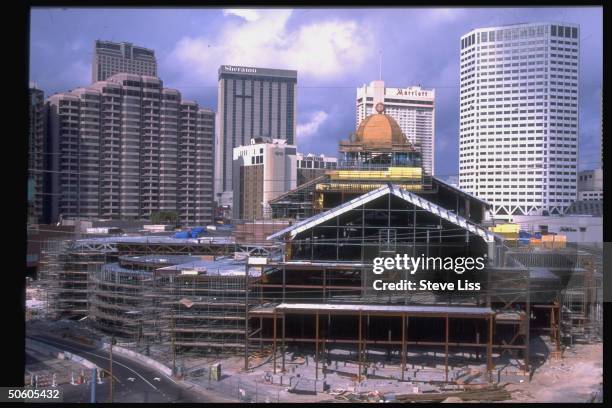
263,170
110,58
36,139
128,147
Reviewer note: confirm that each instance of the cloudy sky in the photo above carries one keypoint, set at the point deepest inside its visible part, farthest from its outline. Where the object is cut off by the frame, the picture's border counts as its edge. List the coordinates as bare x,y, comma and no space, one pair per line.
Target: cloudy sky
333,50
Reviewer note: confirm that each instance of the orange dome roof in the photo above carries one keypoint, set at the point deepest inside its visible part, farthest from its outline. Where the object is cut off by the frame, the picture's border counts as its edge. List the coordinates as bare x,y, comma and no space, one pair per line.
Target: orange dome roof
379,129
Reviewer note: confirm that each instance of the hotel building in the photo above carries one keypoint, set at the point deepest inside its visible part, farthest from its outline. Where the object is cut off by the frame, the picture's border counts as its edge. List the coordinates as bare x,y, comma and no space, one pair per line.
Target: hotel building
518,137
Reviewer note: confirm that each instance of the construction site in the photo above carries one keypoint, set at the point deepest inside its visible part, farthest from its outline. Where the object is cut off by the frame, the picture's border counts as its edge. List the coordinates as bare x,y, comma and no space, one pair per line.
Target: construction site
290,302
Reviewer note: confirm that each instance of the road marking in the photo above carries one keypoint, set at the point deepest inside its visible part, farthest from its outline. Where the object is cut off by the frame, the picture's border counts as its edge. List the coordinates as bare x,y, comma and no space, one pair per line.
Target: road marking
104,357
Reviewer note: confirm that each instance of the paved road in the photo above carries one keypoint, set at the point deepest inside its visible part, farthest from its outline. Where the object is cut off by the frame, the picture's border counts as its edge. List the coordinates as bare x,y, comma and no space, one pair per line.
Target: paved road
32,360
134,382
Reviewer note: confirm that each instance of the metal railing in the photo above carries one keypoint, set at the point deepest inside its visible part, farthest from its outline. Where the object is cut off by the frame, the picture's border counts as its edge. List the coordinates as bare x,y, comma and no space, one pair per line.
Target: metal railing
361,165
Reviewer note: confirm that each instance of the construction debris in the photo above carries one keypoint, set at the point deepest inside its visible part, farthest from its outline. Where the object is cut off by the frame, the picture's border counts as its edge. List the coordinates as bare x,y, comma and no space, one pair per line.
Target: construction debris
484,394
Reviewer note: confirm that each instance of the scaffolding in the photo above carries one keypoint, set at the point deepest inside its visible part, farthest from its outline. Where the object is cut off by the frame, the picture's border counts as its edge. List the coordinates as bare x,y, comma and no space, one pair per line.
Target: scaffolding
49,258
204,312
180,302
119,300
157,292
577,301
66,272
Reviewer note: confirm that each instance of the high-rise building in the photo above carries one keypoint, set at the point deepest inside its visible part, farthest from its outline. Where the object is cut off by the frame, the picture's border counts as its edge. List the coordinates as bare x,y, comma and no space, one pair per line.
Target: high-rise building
36,139
310,166
263,170
252,102
110,58
518,145
590,185
128,147
413,109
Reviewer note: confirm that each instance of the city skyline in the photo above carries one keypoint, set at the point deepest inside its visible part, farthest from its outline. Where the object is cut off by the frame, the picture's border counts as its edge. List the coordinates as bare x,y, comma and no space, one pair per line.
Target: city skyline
314,205
190,55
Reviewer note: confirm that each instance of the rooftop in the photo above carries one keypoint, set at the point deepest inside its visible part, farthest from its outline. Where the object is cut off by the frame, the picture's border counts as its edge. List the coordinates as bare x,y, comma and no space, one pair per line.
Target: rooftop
412,198
159,259
593,208
386,309
157,239
218,267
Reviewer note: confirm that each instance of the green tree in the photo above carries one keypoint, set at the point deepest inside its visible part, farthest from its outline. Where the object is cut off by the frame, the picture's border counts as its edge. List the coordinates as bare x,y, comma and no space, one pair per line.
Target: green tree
164,217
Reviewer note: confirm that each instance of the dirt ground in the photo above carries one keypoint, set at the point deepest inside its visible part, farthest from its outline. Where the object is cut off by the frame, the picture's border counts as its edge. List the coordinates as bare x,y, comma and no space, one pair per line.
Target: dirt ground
574,378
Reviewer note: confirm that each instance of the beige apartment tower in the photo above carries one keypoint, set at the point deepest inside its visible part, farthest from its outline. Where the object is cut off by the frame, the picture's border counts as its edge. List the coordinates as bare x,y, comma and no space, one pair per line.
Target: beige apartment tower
128,147
36,146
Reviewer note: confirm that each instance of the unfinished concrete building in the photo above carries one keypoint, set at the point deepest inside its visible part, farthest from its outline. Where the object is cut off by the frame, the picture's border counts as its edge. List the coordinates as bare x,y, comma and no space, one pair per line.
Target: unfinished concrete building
189,303
203,304
320,299
121,296
66,267
185,293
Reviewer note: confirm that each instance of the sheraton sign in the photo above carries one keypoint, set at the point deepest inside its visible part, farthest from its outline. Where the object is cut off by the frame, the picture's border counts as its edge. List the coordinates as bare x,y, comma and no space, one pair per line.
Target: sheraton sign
240,69
257,72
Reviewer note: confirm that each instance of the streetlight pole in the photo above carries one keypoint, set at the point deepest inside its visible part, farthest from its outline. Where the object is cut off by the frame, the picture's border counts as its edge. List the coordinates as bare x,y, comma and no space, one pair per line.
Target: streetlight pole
246,317
173,348
112,342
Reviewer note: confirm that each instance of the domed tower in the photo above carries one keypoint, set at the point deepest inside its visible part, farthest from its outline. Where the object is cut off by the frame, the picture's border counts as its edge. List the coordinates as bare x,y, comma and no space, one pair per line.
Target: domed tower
379,141
379,130
376,155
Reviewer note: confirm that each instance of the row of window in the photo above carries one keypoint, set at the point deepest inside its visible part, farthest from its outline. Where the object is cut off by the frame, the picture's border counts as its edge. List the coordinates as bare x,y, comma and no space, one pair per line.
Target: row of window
516,33
315,164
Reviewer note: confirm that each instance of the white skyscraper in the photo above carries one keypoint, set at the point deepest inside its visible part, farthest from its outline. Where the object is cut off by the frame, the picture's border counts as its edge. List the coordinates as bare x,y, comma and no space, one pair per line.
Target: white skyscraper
413,109
518,145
